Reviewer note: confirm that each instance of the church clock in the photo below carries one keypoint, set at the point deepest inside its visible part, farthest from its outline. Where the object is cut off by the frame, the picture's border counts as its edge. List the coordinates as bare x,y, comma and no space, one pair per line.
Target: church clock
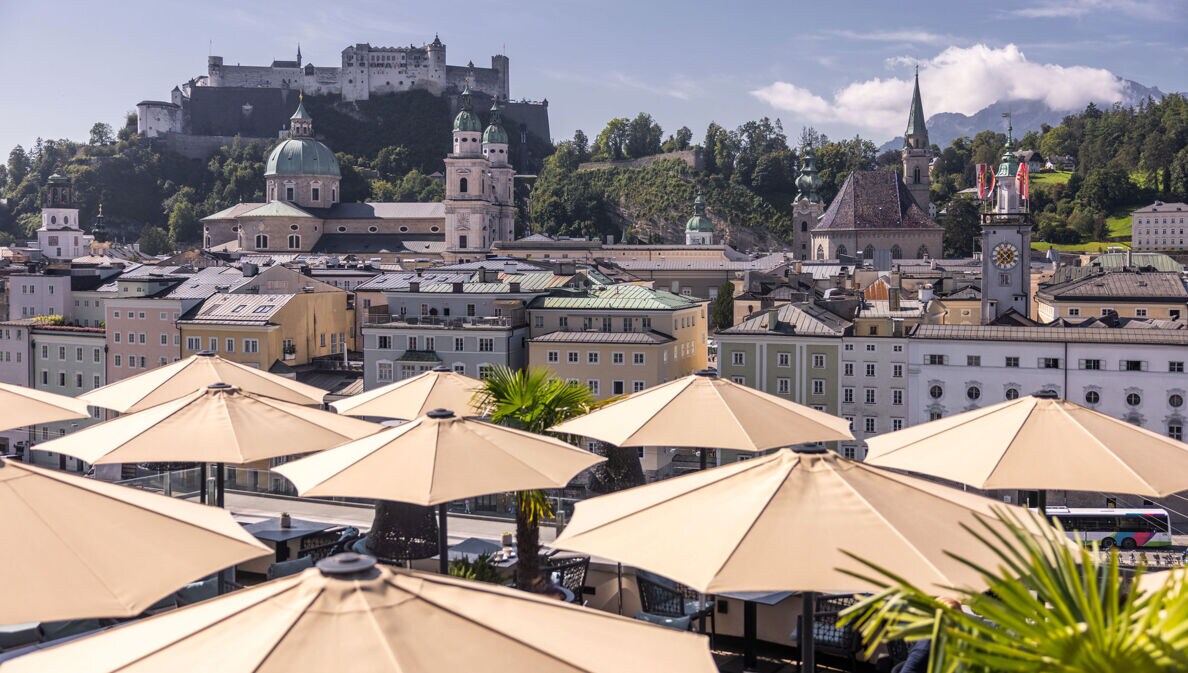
1005,256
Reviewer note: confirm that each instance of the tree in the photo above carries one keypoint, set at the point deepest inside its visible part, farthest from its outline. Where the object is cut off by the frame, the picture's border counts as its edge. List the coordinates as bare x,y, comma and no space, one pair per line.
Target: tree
18,165
533,400
184,225
611,144
581,145
154,241
392,161
962,226
722,308
683,137
643,136
101,134
1050,607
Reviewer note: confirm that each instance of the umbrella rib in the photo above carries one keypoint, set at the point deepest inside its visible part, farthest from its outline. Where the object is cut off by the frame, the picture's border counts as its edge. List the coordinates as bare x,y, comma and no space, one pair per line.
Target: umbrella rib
1002,456
737,422
977,417
664,406
755,519
293,624
1113,456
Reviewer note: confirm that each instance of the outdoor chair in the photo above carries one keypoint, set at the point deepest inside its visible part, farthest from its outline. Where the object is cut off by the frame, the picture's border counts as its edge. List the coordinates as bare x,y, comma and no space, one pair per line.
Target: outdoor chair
286,568
667,603
569,572
828,636
345,539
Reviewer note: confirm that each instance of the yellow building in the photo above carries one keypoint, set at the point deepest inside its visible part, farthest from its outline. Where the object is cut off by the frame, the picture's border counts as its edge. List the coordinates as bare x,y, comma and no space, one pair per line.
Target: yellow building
1129,294
261,329
618,339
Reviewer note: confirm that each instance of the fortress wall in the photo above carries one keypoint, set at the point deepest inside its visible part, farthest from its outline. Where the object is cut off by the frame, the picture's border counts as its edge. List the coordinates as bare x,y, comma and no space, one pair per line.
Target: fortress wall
486,80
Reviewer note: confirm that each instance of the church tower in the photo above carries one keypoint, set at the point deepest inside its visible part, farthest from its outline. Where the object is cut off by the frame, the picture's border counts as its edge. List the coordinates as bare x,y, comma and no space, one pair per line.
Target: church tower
500,172
807,208
466,185
1006,243
699,230
917,153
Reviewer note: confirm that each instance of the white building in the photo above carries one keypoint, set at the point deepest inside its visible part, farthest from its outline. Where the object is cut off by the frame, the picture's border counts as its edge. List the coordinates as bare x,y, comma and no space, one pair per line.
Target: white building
1159,226
60,235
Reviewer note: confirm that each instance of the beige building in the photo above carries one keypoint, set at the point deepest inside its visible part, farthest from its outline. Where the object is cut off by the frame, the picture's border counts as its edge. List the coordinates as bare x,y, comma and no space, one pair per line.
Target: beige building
618,339
1160,226
1129,294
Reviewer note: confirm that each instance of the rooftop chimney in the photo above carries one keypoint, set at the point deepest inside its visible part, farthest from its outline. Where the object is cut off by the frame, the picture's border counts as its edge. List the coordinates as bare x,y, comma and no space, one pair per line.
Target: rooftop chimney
456,287
893,298
513,287
414,286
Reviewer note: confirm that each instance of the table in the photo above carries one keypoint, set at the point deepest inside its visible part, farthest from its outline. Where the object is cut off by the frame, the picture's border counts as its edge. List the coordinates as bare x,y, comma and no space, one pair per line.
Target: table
751,601
270,530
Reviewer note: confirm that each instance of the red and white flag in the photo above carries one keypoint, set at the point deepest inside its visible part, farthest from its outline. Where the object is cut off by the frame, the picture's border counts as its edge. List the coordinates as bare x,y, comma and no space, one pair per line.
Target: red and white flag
984,187
1023,183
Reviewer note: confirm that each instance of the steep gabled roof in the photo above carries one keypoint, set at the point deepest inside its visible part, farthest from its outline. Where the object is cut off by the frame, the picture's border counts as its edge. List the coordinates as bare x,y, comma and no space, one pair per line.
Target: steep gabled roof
874,200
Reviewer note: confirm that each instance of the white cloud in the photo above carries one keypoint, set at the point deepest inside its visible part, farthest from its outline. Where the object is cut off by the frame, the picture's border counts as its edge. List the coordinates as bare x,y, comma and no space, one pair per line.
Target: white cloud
911,36
1066,9
959,79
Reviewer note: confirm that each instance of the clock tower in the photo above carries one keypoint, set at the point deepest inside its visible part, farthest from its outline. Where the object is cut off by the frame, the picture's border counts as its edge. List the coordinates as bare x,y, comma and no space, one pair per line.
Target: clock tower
1006,243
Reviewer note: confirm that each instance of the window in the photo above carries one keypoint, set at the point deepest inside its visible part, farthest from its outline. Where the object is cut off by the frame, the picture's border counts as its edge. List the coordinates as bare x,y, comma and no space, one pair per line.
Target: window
897,397
738,358
1091,364
897,371
936,392
383,342
412,343
973,360
463,185
1175,400
1012,393
618,358
869,395
261,241
316,193
1012,361
230,345
538,321
554,356
383,371
818,361
1132,366
847,368
934,359
896,423
193,343
61,378
78,381
486,344
1092,397
572,357
251,345
848,395
460,369
95,381
1134,399
592,357
563,322
785,360
740,380
1049,363
164,339
61,352
637,358
973,392
288,193
214,344
783,386
470,311
1175,366
78,354
592,384
1175,430
116,335
870,369
637,386
96,354
849,347
118,361
1107,311
935,415
294,242
818,386
850,420
459,344
869,425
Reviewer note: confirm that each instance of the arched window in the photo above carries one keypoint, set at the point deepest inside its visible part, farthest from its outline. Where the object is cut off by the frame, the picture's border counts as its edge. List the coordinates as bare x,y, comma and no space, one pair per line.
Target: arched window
294,242
804,226
922,252
841,250
261,242
462,185
868,252
288,192
820,252
916,176
896,253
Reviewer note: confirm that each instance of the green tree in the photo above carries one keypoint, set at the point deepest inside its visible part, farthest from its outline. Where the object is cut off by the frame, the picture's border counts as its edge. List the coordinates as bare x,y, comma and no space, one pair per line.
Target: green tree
962,225
643,136
184,226
611,144
1050,607
581,145
533,400
154,241
101,134
392,161
18,165
722,308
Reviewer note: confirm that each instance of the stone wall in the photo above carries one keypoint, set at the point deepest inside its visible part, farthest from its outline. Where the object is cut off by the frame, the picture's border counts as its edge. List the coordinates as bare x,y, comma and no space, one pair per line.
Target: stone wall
691,157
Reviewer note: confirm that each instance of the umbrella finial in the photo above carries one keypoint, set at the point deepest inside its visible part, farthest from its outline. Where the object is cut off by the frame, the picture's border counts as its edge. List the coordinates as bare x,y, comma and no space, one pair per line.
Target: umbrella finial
809,449
346,565
1046,394
709,373
440,413
441,368
205,354
218,387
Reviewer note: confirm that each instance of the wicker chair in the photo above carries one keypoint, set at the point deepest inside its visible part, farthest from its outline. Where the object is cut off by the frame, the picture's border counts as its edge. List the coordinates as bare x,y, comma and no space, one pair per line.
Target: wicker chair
662,597
829,637
569,572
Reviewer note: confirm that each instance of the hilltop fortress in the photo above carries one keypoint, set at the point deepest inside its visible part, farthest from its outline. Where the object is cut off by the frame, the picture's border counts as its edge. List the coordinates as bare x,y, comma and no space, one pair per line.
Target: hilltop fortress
255,101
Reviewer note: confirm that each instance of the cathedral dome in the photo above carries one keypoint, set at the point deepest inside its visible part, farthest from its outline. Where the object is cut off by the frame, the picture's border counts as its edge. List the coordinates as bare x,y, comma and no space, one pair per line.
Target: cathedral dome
302,156
494,134
467,121
699,222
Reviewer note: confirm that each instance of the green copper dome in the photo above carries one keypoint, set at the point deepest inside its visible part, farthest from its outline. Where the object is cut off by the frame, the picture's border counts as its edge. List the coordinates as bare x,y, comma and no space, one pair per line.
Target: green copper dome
302,156
699,222
494,132
808,185
466,119
1009,164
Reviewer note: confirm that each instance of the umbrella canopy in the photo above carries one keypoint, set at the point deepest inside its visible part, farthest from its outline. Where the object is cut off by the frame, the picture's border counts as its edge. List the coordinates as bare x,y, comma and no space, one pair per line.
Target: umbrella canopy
702,411
179,379
347,614
21,406
415,397
1038,442
82,548
438,458
216,424
782,521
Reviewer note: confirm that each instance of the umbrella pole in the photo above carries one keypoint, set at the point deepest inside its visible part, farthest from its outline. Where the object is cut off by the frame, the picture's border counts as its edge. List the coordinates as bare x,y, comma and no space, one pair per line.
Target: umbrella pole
620,572
202,483
1041,502
750,635
443,541
808,658
704,458
220,485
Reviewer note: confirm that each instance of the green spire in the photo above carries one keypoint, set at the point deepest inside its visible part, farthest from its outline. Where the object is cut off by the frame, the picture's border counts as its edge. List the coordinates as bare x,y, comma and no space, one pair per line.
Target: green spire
301,113
495,132
466,119
808,184
99,231
916,135
699,222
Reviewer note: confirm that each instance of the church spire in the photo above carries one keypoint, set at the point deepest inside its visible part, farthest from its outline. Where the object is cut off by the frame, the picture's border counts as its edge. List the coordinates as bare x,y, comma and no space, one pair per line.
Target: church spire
298,54
916,135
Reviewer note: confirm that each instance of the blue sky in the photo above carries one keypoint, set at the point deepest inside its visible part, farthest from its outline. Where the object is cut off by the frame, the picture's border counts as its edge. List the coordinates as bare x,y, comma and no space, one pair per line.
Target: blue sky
842,66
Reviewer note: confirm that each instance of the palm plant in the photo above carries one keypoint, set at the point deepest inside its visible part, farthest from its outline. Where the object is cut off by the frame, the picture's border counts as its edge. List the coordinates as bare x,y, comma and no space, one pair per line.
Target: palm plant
533,400
1050,607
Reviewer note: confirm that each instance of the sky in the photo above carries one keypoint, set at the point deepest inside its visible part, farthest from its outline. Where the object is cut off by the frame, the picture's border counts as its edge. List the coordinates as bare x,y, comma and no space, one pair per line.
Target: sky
842,66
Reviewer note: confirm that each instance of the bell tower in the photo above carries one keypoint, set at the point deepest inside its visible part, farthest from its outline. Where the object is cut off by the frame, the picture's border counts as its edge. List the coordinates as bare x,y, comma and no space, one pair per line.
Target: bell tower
1006,240
917,153
807,208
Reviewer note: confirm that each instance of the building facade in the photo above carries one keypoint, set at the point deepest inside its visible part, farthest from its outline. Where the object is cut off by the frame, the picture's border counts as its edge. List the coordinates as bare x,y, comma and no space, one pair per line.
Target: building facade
66,361
1125,294
1159,226
1006,245
807,209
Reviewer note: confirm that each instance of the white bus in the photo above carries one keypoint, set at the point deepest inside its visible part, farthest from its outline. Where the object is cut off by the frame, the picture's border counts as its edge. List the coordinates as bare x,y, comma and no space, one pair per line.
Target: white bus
1115,526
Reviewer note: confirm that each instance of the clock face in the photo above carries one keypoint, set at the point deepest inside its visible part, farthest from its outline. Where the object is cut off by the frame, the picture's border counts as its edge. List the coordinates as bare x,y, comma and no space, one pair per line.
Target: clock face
1006,256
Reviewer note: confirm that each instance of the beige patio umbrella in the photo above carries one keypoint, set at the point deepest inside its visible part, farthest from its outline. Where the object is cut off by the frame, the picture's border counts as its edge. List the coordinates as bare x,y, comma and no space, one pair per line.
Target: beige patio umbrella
21,406
411,398
179,379
1038,442
436,459
349,615
703,411
784,522
216,424
80,548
